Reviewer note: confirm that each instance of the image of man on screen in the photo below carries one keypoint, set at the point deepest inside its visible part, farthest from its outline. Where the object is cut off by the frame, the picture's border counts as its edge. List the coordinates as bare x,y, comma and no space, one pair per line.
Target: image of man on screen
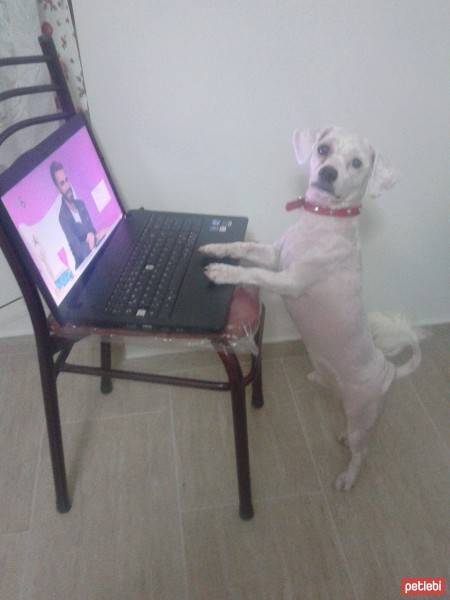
74,218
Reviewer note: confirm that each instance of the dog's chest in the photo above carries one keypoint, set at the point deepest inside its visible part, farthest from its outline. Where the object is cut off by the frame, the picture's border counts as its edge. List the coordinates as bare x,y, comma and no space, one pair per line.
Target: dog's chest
318,240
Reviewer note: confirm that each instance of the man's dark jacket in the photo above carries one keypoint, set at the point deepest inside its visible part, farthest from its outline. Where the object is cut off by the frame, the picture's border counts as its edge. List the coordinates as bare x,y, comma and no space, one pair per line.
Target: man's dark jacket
76,232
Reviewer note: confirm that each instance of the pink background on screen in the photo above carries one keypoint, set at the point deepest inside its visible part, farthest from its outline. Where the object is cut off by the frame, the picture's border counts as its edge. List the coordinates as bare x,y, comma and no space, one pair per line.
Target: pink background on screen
84,171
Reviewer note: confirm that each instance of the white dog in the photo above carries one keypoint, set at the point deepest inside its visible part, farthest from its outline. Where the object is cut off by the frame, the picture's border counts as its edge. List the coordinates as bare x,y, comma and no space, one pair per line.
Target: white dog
316,267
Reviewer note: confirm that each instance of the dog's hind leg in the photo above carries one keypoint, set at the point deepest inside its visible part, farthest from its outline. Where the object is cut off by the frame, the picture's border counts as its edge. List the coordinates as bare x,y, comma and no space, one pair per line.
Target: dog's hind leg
357,440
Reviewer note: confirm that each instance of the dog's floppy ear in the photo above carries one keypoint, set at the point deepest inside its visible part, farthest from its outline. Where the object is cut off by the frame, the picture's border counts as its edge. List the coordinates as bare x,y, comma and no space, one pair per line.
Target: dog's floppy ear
303,142
383,177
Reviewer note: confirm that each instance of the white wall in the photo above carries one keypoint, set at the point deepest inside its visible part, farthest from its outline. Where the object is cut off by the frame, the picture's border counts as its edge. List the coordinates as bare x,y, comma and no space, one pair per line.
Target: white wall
194,104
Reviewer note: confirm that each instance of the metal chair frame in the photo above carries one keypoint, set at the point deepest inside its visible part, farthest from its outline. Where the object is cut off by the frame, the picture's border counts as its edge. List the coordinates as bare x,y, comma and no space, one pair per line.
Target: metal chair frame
54,350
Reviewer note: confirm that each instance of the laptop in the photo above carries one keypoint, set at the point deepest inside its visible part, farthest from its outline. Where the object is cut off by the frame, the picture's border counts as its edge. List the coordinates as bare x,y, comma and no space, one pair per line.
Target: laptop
97,264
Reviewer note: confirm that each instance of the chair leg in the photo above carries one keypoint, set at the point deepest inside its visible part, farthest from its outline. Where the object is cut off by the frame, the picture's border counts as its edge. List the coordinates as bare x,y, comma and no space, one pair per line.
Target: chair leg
50,394
105,361
257,389
236,379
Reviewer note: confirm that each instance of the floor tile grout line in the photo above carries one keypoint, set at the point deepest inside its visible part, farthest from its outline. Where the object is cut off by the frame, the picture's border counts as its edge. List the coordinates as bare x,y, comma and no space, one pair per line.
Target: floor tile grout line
16,532
177,485
430,418
299,494
36,477
184,371
113,417
287,576
287,579
32,509
324,495
257,502
133,414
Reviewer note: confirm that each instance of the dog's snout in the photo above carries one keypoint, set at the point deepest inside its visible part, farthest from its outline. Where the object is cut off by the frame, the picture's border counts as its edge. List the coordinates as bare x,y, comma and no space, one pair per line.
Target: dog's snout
328,174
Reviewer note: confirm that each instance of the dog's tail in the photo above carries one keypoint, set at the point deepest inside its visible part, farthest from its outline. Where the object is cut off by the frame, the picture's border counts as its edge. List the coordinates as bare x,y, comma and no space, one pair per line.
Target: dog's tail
392,334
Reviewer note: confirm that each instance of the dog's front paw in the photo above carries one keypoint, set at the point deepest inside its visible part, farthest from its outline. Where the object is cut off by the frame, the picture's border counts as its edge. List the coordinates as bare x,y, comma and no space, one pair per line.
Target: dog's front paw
344,481
217,250
220,273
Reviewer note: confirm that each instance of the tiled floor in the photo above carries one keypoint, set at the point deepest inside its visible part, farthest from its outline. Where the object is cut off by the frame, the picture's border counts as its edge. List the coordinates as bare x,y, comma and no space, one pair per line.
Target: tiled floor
152,474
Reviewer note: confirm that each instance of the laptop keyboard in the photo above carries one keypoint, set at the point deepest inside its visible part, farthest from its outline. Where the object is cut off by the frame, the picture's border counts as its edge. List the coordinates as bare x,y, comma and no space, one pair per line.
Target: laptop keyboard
149,283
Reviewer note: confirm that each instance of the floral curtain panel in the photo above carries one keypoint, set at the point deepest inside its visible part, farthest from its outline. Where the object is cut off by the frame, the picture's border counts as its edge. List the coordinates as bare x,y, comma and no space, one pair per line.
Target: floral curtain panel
56,20
21,22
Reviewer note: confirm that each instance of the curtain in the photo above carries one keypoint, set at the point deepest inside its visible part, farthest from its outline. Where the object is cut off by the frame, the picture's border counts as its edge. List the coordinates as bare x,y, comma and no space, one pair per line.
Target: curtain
21,22
56,20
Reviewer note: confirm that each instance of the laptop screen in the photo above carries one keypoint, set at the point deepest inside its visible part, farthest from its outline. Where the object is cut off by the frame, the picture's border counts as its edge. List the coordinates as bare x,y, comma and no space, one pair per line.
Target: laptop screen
64,210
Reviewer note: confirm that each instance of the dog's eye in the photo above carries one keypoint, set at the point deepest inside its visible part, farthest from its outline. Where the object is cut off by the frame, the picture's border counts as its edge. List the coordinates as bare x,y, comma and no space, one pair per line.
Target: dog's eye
356,163
323,149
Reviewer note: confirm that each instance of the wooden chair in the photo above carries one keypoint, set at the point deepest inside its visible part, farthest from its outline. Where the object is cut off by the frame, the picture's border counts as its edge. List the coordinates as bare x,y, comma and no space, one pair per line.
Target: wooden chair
55,342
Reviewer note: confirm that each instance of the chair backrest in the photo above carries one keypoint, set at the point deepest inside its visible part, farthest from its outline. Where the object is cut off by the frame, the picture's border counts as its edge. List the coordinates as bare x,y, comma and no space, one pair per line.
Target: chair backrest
56,86
59,87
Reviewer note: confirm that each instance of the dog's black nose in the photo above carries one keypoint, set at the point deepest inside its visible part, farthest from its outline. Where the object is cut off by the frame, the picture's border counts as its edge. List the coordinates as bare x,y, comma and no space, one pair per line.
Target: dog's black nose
328,174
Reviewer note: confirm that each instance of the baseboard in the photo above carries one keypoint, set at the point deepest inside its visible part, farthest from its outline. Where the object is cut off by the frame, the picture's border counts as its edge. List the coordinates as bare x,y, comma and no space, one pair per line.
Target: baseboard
21,344
164,354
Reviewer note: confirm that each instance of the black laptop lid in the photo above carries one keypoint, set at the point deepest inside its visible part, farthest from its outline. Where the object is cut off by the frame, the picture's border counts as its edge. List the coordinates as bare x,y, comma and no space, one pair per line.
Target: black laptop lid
59,207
